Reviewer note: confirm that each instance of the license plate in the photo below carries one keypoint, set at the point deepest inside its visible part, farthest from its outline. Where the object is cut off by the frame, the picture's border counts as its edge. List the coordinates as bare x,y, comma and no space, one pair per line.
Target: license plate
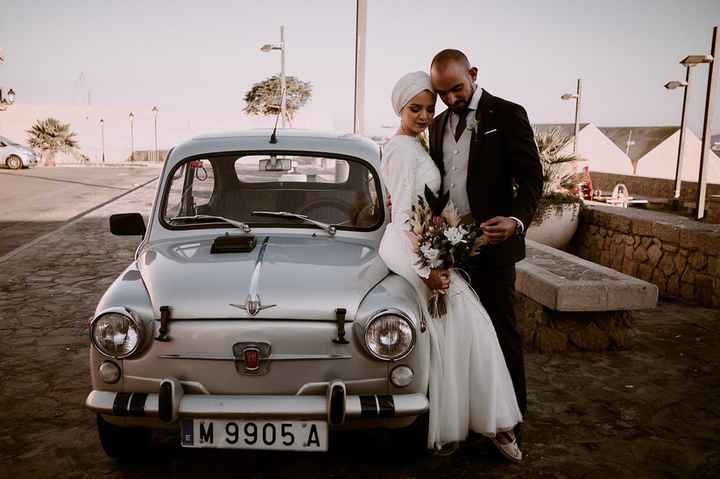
240,434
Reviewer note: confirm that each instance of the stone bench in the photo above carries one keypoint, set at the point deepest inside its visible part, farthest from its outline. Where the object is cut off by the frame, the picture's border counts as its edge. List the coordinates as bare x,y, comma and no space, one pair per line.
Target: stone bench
565,302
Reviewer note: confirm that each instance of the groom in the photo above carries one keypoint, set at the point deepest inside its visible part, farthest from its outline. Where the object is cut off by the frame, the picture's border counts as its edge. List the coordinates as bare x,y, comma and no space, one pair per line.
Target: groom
486,152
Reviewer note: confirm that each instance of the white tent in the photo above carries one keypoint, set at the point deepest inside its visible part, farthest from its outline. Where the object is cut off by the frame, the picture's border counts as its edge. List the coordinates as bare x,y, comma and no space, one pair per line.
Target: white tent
599,153
661,161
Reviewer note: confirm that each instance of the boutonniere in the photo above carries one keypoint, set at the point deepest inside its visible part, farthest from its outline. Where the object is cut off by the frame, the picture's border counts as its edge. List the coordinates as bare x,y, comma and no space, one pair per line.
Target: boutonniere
473,125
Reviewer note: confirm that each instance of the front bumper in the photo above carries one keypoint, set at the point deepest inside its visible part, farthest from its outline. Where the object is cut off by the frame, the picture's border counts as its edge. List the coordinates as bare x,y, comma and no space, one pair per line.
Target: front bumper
335,408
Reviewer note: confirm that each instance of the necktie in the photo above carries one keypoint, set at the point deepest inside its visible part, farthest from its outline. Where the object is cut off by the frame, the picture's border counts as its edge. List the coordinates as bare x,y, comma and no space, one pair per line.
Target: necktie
461,124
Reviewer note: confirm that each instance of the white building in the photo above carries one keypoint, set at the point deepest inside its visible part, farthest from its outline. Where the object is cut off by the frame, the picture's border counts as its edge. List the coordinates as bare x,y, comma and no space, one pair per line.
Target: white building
661,161
596,150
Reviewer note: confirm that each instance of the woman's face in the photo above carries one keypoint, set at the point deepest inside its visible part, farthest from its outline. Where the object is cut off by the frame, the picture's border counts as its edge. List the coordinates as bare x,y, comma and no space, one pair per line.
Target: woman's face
418,113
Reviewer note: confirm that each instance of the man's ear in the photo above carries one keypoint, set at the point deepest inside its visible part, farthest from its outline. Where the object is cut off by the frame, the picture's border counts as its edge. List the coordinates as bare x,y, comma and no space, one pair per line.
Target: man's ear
473,73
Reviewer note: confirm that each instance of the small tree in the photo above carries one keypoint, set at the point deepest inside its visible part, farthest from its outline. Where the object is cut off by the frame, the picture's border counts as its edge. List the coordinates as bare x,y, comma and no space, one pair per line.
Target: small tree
51,137
264,97
560,180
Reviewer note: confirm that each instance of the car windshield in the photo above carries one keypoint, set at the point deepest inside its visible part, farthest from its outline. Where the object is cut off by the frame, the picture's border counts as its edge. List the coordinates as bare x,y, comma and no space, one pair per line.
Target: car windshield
344,192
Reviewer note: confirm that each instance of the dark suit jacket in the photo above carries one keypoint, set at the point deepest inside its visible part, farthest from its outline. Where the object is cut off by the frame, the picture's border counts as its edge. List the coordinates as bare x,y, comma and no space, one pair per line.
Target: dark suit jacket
498,160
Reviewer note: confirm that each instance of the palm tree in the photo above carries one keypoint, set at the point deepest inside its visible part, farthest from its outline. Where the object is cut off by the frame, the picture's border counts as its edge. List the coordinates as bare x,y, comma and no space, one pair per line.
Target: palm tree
50,136
560,180
264,97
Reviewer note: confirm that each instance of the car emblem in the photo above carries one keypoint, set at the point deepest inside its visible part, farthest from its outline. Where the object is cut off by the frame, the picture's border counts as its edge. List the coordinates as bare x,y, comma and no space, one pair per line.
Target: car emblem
252,305
252,358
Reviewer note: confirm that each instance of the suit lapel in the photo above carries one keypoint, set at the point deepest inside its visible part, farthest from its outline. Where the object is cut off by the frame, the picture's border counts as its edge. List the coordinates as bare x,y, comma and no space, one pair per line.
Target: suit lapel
484,116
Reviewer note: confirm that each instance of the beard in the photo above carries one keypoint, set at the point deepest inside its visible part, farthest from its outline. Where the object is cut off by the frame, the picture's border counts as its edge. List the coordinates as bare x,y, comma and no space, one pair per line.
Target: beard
459,106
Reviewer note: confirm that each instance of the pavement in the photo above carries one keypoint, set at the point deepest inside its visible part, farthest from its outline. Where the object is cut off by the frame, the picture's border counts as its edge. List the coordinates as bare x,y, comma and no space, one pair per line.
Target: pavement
650,410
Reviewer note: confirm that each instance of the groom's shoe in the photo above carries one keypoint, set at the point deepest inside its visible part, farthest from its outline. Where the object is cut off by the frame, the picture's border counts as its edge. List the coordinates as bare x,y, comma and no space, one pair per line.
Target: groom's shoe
508,447
447,449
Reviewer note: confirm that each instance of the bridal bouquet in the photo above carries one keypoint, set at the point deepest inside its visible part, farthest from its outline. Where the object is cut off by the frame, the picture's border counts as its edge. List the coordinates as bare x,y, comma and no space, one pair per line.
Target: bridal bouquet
441,241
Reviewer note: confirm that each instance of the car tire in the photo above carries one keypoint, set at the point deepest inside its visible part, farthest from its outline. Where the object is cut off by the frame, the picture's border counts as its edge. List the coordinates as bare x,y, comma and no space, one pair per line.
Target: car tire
128,444
13,162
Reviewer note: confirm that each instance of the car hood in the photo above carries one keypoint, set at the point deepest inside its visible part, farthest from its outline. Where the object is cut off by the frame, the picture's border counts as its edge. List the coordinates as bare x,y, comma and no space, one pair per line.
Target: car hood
304,277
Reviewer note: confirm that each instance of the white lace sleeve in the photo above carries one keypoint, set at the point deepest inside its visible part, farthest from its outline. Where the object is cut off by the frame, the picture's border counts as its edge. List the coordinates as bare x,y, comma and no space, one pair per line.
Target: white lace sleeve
399,164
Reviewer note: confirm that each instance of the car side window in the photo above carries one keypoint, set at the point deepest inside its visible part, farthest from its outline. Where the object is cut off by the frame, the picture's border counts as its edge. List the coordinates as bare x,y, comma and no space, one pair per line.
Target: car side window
191,189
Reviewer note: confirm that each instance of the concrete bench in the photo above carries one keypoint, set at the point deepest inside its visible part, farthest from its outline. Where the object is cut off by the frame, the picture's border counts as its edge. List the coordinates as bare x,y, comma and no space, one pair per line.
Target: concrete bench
565,302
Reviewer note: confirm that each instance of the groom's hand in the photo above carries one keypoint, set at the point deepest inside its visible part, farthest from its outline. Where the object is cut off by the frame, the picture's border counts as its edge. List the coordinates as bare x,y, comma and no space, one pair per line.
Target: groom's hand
498,229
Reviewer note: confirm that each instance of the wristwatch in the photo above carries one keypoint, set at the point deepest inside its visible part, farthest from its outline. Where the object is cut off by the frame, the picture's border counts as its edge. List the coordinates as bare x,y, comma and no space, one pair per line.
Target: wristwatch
519,228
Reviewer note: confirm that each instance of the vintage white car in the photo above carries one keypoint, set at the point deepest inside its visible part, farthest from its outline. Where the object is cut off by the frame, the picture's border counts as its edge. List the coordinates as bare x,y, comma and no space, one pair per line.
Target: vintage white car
257,313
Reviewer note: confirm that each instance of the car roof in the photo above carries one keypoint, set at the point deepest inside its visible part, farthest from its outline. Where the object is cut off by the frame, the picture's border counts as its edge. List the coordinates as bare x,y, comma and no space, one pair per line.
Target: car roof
290,140
7,140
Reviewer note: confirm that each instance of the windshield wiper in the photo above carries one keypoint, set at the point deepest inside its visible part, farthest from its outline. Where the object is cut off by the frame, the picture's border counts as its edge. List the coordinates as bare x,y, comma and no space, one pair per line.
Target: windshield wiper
237,224
330,229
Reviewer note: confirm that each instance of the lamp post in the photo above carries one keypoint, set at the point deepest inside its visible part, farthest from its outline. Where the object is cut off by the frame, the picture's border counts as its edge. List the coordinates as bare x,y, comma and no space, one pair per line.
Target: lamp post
575,96
155,110
689,62
8,100
102,138
268,47
710,99
360,47
131,116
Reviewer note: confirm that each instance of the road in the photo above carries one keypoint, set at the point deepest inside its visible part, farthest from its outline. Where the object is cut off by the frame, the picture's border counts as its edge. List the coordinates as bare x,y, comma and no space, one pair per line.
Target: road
648,411
39,200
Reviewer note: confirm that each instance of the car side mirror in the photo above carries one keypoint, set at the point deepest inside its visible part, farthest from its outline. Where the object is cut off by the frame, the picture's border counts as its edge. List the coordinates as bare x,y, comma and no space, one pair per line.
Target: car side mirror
127,224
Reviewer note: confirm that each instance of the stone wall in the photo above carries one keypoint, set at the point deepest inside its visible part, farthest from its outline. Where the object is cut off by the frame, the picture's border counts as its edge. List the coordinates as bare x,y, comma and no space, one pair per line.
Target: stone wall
547,331
679,255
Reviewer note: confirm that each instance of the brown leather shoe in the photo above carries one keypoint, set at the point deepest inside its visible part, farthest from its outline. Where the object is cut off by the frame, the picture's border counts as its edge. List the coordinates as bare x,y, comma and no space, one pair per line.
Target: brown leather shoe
507,445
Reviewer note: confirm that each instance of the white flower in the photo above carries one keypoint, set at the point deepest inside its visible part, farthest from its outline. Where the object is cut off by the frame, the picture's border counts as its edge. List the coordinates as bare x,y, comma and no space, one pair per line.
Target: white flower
423,272
430,253
473,125
436,263
455,235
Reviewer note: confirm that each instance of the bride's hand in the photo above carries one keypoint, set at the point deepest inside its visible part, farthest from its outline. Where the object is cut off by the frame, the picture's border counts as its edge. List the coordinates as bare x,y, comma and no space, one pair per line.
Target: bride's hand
439,280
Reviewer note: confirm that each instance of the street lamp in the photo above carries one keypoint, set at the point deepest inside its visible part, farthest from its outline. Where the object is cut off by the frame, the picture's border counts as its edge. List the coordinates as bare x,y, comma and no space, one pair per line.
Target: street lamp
155,110
689,62
131,116
268,47
102,138
575,96
10,99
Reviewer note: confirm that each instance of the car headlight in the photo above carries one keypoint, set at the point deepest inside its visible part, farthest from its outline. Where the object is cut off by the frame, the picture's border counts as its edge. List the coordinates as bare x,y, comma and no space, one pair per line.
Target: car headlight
390,335
116,332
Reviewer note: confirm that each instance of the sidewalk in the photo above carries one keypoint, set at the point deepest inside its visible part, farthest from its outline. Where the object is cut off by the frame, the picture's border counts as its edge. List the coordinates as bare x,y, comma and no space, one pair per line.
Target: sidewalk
649,411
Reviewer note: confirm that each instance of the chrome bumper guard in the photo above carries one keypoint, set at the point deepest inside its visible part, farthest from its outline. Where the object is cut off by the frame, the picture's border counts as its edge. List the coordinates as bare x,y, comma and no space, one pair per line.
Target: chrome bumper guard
336,407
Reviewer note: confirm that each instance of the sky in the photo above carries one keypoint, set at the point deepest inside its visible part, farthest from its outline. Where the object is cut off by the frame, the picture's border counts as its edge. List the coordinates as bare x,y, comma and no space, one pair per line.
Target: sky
200,58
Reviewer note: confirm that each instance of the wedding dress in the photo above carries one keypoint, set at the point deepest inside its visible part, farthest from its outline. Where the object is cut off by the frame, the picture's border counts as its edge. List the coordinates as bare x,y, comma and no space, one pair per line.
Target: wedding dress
469,387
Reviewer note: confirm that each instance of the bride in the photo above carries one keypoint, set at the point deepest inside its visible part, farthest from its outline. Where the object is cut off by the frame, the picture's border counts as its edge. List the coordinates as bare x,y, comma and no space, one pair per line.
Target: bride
470,387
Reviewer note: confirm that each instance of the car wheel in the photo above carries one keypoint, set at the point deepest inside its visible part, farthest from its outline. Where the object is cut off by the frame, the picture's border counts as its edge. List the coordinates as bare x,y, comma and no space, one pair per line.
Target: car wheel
13,162
123,443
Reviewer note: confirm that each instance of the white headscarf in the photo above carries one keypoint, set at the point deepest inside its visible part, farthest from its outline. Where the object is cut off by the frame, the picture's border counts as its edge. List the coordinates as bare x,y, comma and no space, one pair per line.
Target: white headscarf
407,87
